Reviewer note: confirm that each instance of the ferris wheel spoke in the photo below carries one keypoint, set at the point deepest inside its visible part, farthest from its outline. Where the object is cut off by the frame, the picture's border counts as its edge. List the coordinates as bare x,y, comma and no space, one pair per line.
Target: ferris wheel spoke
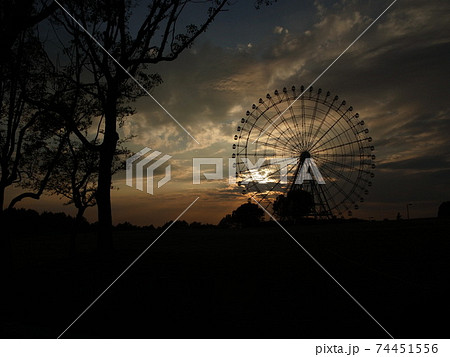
345,166
345,132
355,155
329,197
329,129
313,117
275,147
273,173
330,106
271,123
354,183
281,116
242,150
278,182
342,165
337,165
279,145
334,157
364,166
271,136
337,173
265,155
253,184
302,101
294,119
346,195
340,145
260,167
337,140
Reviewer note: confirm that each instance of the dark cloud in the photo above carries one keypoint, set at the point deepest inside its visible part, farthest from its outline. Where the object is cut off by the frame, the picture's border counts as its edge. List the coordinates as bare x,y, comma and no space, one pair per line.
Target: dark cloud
419,163
395,76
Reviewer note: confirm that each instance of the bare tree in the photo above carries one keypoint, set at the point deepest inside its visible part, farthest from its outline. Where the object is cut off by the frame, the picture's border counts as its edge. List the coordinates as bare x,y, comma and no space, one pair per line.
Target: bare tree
22,70
134,47
75,178
23,126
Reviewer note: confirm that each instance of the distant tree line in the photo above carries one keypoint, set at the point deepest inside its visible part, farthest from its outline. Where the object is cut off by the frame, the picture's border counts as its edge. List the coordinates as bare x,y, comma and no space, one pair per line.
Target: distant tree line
22,220
248,214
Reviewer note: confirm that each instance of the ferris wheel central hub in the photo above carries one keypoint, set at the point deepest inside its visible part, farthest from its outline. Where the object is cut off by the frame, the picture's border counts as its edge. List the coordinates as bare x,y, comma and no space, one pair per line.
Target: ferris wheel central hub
304,155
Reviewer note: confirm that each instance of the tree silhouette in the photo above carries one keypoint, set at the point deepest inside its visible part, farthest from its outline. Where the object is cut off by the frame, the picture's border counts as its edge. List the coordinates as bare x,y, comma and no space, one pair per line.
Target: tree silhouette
155,39
59,106
25,130
248,214
226,222
75,178
22,71
295,205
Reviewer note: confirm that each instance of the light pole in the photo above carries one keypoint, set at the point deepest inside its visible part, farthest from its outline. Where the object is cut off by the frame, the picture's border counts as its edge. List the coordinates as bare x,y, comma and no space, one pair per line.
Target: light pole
407,209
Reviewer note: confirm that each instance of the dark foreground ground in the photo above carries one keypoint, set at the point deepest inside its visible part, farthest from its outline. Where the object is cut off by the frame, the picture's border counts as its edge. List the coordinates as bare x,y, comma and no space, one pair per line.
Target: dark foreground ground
250,283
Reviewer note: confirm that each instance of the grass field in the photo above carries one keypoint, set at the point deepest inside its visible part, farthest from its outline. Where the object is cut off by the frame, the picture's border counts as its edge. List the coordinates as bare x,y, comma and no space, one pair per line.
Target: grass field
252,283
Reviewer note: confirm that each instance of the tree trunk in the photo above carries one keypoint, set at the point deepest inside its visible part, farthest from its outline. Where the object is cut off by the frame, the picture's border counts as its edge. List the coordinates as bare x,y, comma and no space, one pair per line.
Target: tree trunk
103,195
76,226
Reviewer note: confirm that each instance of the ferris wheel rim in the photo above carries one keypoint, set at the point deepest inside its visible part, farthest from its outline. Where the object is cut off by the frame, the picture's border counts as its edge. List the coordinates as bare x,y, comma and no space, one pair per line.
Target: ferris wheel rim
345,155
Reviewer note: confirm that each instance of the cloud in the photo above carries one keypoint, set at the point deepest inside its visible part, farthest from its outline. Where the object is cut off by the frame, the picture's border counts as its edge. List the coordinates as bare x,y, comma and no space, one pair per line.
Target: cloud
395,76
279,30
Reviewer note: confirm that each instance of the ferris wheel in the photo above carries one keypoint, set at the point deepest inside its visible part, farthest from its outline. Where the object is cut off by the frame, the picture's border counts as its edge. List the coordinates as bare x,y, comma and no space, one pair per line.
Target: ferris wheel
309,142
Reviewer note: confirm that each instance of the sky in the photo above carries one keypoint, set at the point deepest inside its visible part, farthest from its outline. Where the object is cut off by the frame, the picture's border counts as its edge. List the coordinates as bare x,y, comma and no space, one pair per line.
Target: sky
395,76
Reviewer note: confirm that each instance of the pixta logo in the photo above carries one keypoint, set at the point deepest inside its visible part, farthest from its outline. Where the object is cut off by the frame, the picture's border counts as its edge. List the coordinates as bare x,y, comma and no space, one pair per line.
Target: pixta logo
141,170
140,166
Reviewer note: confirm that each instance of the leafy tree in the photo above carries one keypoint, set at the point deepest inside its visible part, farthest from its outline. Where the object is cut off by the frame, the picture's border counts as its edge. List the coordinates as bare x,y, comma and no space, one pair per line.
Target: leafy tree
248,214
22,71
177,225
75,177
134,46
226,222
296,204
25,130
